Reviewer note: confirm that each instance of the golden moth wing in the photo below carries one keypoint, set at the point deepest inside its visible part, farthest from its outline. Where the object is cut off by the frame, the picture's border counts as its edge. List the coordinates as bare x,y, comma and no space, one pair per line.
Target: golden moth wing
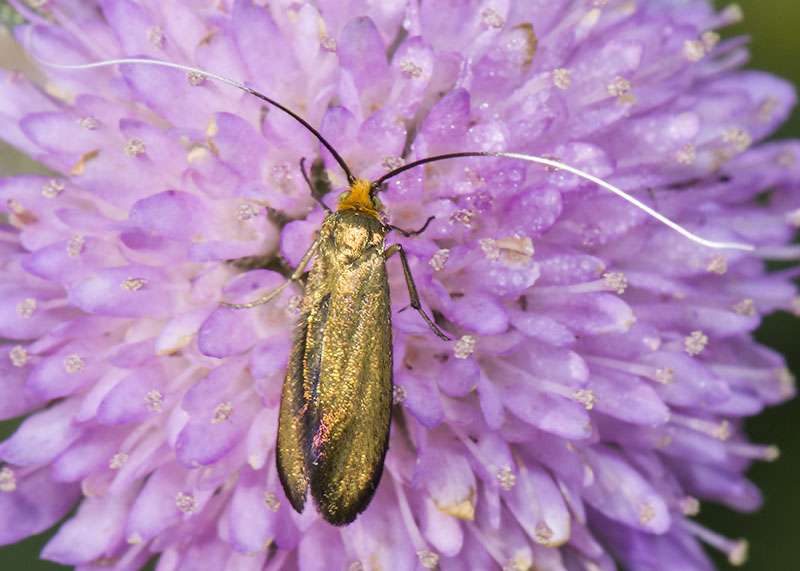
354,393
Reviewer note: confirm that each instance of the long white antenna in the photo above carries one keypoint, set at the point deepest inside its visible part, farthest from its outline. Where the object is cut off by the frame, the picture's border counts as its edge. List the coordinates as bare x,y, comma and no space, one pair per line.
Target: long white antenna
531,158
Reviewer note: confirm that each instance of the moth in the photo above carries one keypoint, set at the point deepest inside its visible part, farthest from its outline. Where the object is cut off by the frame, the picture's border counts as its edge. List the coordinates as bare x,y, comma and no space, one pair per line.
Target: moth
335,410
336,403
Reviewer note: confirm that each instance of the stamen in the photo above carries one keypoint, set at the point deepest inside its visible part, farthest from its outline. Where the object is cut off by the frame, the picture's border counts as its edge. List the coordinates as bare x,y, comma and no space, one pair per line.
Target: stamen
89,123
425,555
187,503
619,86
561,78
720,430
506,478
222,413
718,265
294,305
399,394
439,259
118,460
587,398
693,50
74,364
26,307
247,211
710,40
271,501
492,19
410,69
194,79
695,343
463,216
428,558
135,147
746,307
327,43
133,284
736,550
464,347
8,480
686,154
19,356
767,453
489,248
52,188
75,246
155,35
689,505
154,400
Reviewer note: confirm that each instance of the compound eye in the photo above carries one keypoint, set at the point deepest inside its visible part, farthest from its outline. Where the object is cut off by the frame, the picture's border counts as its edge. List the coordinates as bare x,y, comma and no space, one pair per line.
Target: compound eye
376,204
344,196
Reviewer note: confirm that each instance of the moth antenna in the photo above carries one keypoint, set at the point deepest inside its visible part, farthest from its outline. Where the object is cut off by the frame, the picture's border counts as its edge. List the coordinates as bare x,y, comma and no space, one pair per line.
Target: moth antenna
600,182
351,178
105,63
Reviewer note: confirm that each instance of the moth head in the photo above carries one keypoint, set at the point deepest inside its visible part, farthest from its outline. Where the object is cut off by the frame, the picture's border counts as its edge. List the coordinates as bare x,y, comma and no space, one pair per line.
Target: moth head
361,196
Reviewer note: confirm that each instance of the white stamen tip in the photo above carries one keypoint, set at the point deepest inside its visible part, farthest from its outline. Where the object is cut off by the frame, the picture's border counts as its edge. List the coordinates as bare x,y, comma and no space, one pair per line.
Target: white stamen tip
272,502
118,460
427,558
695,343
464,347
222,413
439,259
399,394
506,479
19,356
616,281
187,503
562,78
74,364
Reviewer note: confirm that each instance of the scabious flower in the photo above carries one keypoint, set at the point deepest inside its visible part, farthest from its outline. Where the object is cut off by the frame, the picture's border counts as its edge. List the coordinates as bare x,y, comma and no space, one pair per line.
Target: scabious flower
602,365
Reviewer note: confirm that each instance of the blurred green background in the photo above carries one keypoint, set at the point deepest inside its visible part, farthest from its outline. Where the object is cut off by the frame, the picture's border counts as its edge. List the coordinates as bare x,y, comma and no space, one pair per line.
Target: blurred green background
773,531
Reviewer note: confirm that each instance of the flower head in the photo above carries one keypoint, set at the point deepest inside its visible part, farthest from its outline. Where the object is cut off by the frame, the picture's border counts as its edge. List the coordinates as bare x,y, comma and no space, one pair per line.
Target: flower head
602,364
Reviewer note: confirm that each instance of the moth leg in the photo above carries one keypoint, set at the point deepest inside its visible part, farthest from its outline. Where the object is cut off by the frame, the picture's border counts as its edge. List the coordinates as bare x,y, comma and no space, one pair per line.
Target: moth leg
412,289
314,194
301,267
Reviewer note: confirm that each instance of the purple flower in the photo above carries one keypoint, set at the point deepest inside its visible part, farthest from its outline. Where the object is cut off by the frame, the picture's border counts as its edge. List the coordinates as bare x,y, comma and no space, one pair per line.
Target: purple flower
602,365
